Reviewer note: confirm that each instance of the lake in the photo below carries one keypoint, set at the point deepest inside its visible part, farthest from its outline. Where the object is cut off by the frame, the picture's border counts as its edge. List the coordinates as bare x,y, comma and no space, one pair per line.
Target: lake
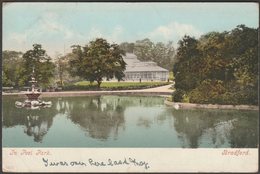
124,121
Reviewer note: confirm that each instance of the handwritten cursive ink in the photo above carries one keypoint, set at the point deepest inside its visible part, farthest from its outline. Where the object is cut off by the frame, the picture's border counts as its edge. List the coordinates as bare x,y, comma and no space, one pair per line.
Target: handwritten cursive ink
45,162
77,163
109,162
139,163
95,163
59,163
120,162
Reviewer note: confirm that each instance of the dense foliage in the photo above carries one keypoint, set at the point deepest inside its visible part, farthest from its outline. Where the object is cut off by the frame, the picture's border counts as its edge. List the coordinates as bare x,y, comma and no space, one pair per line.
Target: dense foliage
218,68
97,60
11,72
41,62
146,50
18,67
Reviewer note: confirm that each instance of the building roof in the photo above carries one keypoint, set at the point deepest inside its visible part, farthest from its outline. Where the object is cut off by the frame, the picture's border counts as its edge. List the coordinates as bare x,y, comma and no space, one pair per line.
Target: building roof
135,65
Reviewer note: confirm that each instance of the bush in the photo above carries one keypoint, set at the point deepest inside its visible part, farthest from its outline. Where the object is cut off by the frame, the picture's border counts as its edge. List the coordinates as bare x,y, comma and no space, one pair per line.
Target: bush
214,92
178,95
246,96
209,91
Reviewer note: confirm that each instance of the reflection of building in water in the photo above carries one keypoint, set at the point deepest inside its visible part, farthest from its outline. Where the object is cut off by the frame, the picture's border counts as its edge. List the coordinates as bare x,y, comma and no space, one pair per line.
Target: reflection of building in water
105,118
112,102
102,117
36,127
63,106
133,100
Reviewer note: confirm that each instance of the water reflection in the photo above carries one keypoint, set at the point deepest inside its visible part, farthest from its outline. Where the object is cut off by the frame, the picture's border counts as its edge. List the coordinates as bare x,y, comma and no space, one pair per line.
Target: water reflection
37,127
99,118
108,119
243,135
35,123
216,128
102,117
144,122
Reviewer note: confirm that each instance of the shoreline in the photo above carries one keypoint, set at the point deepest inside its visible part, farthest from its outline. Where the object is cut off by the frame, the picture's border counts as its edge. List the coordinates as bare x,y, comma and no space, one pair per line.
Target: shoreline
89,93
178,105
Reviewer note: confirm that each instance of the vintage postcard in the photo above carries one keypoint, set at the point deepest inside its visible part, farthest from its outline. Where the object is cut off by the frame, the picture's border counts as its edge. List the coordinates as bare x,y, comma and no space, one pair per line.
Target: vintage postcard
130,87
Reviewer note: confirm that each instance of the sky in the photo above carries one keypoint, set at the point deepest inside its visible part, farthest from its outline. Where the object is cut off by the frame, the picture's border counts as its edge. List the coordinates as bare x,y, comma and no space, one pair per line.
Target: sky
57,26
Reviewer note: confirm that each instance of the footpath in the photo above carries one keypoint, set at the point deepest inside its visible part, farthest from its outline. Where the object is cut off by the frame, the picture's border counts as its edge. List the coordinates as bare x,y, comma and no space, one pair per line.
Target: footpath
162,90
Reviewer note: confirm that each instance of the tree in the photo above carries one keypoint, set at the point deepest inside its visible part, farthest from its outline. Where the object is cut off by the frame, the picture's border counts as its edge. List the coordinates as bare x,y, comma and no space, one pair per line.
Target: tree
11,72
244,46
97,60
145,50
163,54
119,65
187,64
5,80
41,62
218,68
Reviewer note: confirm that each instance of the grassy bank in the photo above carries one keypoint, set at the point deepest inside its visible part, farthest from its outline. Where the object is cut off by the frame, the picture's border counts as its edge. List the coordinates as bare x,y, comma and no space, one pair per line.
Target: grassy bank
86,85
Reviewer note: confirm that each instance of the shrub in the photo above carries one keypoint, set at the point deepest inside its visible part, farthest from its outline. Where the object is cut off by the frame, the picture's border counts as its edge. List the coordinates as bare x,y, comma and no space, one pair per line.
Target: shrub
79,87
84,85
214,92
178,95
209,91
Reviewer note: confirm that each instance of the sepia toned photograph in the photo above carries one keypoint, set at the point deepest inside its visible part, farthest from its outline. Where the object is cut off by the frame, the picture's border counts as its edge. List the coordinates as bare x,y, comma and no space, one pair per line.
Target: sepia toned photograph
130,87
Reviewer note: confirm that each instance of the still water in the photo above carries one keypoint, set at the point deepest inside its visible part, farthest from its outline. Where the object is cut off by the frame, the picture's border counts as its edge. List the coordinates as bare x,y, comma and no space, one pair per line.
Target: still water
124,121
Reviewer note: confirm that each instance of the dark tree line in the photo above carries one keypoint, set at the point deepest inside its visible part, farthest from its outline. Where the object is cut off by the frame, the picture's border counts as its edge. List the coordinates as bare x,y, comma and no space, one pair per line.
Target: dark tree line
93,62
218,68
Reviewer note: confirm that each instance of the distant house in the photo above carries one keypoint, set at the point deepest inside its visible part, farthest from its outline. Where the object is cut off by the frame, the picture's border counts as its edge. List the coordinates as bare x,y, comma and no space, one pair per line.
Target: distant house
144,71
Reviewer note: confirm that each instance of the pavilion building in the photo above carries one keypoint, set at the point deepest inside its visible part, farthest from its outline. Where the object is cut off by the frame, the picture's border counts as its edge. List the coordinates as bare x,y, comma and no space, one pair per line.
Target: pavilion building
137,70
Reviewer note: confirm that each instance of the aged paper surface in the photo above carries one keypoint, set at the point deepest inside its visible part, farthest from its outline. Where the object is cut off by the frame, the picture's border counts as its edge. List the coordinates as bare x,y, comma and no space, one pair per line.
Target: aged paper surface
129,160
51,29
